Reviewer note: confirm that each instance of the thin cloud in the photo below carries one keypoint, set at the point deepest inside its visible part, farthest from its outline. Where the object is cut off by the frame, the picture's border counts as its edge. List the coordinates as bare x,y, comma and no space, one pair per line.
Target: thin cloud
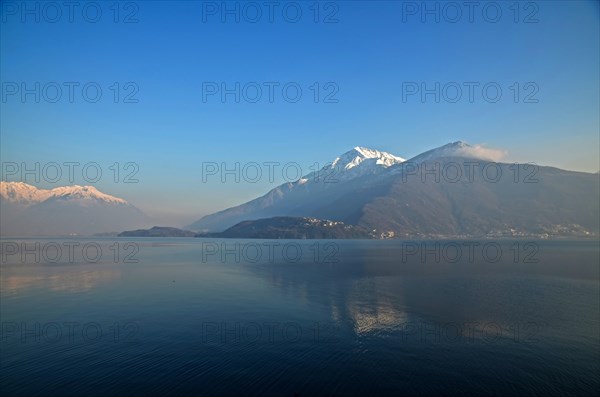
482,152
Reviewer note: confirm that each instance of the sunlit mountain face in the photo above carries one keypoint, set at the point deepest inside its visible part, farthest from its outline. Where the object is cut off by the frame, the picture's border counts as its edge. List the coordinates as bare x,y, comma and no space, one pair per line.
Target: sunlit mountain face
66,210
24,194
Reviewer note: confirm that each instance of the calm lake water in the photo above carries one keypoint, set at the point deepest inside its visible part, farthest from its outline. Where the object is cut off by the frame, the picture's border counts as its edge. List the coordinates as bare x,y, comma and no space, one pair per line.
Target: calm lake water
210,317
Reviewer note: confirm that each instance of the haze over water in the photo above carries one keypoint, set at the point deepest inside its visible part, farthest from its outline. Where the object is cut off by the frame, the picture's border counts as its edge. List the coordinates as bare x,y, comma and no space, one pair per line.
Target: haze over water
340,318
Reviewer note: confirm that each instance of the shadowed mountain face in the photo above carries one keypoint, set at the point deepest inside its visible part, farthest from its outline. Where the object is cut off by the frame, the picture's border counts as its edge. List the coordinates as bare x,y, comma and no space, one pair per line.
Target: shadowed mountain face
81,210
524,200
449,191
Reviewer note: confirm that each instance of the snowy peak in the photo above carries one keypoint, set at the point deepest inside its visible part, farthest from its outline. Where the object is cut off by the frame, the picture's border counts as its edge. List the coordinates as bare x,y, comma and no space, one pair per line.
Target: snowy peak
461,149
84,193
24,194
354,163
358,155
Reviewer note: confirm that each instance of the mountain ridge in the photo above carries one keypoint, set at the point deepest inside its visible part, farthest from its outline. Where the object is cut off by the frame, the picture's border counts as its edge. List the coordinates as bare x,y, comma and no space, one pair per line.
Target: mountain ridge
389,198
23,193
67,210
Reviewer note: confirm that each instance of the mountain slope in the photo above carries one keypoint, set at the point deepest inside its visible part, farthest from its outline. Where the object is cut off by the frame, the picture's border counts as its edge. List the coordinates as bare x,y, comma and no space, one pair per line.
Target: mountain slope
305,196
401,197
559,202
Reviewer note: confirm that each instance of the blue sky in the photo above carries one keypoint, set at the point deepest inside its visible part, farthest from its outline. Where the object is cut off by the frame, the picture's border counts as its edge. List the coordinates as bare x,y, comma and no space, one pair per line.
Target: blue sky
366,57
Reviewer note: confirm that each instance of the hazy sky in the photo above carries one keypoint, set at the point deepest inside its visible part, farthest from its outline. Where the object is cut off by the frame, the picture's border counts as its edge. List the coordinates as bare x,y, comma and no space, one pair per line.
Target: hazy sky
365,60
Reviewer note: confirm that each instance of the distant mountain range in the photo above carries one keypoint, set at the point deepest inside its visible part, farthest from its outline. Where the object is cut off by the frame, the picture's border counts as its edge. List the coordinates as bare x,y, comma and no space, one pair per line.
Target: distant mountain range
70,210
454,191
379,191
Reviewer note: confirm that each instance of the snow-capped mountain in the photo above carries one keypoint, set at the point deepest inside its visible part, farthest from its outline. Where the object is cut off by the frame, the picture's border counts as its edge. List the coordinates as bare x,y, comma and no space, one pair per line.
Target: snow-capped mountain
371,189
24,194
354,163
311,191
368,157
83,210
85,194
